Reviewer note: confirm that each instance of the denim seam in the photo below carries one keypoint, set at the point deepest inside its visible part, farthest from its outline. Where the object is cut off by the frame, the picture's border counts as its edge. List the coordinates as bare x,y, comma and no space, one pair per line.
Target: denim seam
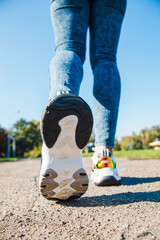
116,9
68,6
70,41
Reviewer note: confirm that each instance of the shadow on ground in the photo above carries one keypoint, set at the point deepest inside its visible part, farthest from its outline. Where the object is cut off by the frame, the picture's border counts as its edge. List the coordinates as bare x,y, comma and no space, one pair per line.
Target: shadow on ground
113,200
134,180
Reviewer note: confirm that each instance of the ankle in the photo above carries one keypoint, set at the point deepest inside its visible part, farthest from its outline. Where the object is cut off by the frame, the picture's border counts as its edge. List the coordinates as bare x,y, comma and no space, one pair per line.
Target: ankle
100,148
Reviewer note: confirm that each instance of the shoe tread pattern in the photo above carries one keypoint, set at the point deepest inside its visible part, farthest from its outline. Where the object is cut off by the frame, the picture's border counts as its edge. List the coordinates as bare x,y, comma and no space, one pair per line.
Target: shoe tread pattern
60,107
81,183
65,190
48,184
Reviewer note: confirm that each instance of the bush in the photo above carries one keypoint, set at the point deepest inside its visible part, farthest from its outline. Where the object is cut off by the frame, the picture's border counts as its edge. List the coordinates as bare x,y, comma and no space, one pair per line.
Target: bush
34,153
117,145
3,142
28,137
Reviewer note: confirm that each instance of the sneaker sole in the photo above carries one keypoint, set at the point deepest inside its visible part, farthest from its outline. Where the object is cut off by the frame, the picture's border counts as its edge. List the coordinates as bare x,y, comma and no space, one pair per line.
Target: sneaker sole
66,191
67,180
105,177
62,106
108,181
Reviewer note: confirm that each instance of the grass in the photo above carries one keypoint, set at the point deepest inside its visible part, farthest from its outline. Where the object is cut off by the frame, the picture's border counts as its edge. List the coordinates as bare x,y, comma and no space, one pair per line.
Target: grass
131,154
8,159
134,154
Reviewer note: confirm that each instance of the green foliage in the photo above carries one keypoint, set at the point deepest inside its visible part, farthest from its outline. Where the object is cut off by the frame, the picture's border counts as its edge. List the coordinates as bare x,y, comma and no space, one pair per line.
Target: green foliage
34,153
141,140
149,135
133,154
27,136
3,142
135,144
138,154
8,159
117,145
125,142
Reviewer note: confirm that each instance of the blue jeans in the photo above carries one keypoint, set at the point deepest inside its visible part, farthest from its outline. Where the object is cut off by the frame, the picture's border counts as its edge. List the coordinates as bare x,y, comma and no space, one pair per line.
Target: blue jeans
71,19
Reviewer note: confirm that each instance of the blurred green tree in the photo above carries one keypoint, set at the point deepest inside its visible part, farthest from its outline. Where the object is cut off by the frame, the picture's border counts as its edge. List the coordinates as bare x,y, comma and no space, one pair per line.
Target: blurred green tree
27,136
3,142
117,145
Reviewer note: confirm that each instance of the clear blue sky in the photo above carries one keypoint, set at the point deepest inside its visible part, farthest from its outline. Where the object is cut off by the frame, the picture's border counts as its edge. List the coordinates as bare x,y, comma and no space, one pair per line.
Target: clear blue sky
27,46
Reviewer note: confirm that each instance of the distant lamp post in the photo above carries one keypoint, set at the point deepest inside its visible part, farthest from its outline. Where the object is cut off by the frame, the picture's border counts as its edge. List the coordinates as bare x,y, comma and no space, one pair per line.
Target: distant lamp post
13,138
14,146
9,146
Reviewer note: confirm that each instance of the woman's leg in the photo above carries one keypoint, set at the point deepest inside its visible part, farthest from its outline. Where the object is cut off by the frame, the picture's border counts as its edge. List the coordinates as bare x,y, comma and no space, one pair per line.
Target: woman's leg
70,21
66,122
105,25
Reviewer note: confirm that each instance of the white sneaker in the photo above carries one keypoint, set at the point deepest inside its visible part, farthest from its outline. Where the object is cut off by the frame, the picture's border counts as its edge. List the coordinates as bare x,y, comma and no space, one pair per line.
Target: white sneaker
104,171
66,127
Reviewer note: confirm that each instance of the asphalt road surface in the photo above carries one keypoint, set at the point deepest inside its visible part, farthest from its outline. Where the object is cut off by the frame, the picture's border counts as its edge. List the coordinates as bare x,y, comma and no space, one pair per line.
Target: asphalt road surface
129,211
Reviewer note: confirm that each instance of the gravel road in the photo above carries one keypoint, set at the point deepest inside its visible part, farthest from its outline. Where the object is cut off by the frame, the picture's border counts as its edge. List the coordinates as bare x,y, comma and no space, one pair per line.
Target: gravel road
129,211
